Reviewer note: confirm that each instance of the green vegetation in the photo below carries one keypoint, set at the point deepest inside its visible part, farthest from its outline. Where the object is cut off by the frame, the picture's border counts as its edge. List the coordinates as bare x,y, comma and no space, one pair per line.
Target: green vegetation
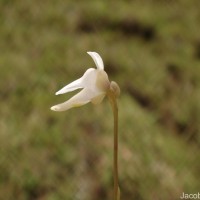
151,48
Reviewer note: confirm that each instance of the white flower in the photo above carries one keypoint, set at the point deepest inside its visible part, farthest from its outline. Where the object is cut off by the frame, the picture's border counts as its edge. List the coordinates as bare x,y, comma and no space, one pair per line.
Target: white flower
94,84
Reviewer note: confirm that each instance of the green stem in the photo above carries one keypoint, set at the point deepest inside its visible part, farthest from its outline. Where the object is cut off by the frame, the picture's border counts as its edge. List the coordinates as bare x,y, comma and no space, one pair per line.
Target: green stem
113,102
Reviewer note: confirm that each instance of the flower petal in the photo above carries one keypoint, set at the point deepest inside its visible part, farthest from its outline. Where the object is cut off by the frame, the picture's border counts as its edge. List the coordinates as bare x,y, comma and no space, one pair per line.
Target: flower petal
97,59
86,79
98,99
77,84
84,96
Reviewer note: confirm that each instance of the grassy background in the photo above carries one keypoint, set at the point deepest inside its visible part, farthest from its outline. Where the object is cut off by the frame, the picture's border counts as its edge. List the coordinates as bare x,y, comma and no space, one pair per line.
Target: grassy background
151,48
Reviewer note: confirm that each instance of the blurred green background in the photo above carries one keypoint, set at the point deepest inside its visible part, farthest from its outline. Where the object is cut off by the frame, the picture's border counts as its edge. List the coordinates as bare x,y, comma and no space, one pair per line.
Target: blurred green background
151,48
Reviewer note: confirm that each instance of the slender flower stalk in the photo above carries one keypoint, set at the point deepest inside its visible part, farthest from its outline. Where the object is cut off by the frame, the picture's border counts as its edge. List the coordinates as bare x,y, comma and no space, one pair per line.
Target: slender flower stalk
95,86
113,93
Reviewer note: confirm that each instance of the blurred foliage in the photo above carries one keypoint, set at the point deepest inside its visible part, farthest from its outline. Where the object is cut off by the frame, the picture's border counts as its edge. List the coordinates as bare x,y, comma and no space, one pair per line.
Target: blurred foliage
151,48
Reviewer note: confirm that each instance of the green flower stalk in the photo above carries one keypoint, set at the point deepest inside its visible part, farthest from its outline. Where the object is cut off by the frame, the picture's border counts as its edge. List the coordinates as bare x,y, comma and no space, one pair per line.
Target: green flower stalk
95,86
